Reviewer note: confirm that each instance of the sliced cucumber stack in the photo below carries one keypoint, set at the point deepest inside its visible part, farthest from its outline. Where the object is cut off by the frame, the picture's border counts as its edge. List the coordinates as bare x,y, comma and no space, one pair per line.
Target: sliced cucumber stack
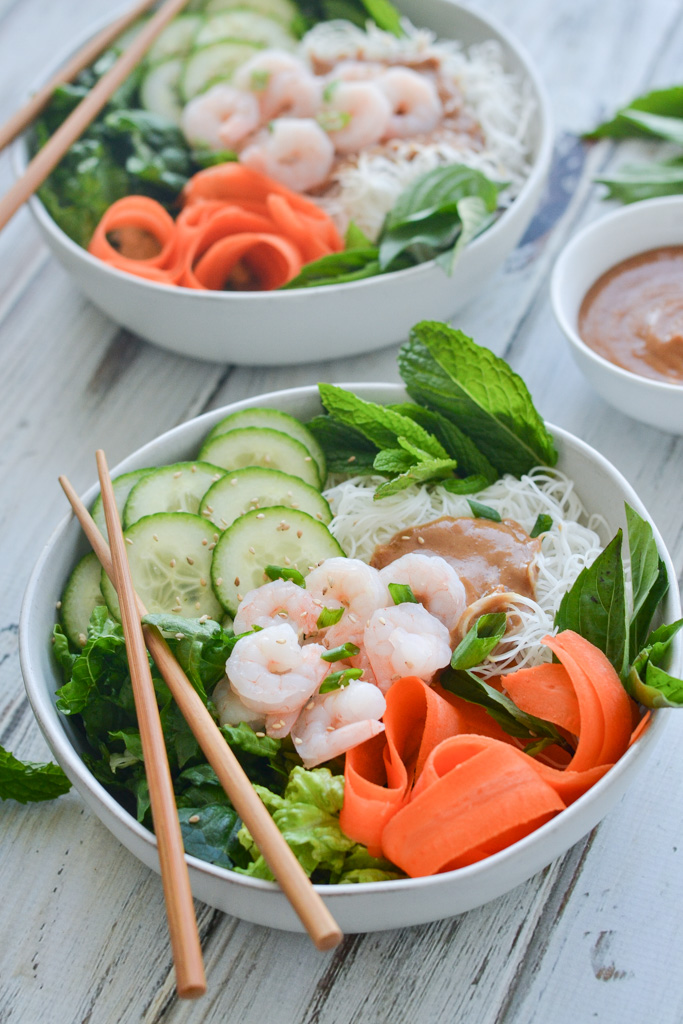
272,536
244,490
261,446
122,485
177,39
175,488
170,560
274,420
81,596
281,10
216,63
247,25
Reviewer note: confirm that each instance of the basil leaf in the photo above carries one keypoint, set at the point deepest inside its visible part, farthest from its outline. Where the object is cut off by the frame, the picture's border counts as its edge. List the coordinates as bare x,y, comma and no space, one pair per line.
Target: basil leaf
347,650
665,102
279,572
28,781
635,181
542,525
595,606
338,680
482,638
481,511
504,711
444,370
649,580
402,593
646,681
337,268
329,617
475,217
668,128
355,238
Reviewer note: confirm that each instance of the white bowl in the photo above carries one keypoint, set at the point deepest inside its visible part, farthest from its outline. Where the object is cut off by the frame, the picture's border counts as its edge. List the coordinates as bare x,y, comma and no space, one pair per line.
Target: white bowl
332,321
357,908
625,232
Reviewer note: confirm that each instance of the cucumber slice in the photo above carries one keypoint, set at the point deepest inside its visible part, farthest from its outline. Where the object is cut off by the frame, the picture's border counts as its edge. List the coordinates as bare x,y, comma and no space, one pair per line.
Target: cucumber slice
176,488
276,420
122,485
242,490
282,10
261,446
248,25
81,595
270,536
160,89
215,63
177,39
170,560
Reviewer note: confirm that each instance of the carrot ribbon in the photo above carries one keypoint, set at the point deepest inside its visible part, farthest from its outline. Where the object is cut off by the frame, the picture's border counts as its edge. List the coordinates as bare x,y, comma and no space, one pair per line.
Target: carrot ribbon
238,229
444,786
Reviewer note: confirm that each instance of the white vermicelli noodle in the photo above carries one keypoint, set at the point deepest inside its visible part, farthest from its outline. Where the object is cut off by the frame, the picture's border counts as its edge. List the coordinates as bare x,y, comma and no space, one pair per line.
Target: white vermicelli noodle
573,542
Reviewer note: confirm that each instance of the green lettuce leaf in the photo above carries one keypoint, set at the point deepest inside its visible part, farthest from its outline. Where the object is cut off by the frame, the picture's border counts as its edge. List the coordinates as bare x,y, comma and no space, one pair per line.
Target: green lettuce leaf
29,782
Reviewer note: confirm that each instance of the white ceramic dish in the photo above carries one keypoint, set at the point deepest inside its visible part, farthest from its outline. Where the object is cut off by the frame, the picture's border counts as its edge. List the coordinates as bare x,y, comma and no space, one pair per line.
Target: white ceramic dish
319,323
374,906
594,250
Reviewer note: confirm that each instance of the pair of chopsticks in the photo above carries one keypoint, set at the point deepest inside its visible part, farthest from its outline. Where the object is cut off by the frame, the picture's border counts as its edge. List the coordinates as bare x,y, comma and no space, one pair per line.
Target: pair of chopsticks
185,944
47,158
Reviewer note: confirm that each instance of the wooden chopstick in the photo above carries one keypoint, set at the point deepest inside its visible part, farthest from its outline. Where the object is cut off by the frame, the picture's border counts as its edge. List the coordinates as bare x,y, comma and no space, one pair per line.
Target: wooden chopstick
182,924
87,110
85,56
316,918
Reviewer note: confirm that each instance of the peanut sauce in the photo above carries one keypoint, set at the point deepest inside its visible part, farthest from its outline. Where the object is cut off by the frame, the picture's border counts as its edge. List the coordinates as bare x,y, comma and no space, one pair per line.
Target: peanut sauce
488,556
633,315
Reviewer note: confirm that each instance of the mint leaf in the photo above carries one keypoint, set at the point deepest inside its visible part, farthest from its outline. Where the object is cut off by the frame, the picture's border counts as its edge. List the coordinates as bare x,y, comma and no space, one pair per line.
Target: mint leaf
471,461
595,607
444,370
346,449
419,473
29,782
377,423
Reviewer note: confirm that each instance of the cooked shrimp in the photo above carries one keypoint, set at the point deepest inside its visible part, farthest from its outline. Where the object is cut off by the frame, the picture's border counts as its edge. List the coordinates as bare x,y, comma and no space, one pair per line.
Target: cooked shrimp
332,723
277,602
281,83
271,673
231,710
356,71
415,103
220,118
294,151
350,584
434,582
406,640
355,114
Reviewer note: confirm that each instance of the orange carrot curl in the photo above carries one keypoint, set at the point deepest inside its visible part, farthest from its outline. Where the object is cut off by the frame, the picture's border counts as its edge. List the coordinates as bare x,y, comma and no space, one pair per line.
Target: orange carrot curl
444,786
238,230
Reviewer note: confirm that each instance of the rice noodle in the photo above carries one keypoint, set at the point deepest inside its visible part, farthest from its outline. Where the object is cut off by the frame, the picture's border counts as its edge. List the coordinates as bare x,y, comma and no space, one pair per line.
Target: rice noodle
573,541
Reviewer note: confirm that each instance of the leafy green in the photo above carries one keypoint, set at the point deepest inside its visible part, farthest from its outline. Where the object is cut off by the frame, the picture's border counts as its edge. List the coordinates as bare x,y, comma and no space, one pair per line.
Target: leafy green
382,12
346,449
436,215
662,102
471,461
337,268
635,181
482,638
646,681
469,385
29,782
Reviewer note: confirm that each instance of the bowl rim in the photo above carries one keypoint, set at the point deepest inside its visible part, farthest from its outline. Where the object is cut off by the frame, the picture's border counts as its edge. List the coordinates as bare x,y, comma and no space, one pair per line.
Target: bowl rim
587,236
48,717
539,169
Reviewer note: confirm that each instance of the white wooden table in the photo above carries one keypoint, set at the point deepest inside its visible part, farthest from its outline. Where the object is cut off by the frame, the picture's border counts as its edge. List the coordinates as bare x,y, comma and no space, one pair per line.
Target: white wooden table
595,937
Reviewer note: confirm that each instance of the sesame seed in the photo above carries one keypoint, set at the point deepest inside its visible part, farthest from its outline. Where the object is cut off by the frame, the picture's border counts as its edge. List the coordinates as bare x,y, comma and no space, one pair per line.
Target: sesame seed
180,636
190,561
203,618
260,735
330,728
176,610
351,458
172,563
233,482
352,617
266,459
283,525
252,551
197,605
216,536
193,819
405,537
211,546
193,469
128,540
420,540
204,541
283,615
179,473
59,604
310,705
82,639
383,621
209,508
202,582
295,505
287,560
215,477
237,581
224,521
297,740
154,537
178,601
219,581
260,515
205,512
281,640
299,534
308,459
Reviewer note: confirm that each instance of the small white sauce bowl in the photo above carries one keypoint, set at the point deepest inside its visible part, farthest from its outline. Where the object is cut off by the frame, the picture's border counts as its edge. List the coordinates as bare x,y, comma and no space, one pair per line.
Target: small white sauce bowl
333,321
625,232
357,908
